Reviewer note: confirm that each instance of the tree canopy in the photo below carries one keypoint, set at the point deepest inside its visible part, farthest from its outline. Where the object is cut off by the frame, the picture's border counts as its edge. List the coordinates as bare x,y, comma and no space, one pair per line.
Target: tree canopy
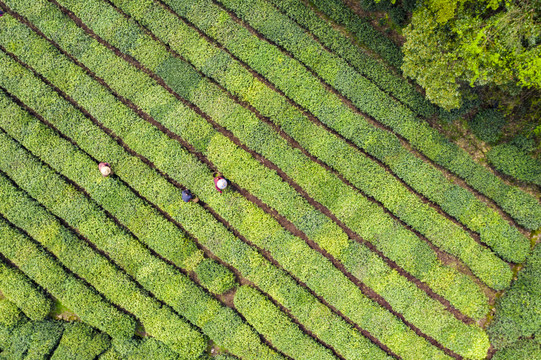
455,43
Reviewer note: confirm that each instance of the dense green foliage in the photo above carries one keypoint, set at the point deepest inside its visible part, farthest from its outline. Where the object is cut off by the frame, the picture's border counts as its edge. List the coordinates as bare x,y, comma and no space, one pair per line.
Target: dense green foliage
80,342
347,236
525,349
58,340
487,125
32,340
517,312
213,235
512,161
216,146
10,315
28,297
489,42
214,276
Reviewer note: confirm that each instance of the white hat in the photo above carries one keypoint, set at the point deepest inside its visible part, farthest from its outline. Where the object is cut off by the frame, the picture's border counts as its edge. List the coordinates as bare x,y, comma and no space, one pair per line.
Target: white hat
222,184
105,170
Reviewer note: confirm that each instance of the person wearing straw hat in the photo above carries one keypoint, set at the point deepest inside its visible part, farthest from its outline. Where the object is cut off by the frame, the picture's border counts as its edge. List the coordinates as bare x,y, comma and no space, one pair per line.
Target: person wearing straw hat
105,169
220,183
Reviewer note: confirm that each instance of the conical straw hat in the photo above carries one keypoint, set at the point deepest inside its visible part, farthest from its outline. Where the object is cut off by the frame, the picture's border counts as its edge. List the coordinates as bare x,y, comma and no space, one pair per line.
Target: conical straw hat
222,184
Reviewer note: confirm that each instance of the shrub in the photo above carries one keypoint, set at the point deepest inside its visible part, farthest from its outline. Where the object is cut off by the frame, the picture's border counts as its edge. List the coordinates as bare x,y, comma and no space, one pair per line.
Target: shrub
517,311
33,340
487,125
18,288
214,276
512,161
10,315
80,342
524,349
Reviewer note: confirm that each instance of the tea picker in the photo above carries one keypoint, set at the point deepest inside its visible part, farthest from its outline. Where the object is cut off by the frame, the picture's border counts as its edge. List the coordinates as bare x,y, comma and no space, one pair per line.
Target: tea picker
220,183
187,196
105,169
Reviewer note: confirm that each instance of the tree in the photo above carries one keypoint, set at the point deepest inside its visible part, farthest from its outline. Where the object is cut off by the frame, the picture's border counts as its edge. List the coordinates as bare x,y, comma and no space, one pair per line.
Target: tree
451,44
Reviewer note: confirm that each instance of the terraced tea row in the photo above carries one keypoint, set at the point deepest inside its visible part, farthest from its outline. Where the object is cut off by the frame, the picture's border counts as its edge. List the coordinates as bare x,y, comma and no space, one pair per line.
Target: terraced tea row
23,292
381,144
213,235
357,315
208,93
372,101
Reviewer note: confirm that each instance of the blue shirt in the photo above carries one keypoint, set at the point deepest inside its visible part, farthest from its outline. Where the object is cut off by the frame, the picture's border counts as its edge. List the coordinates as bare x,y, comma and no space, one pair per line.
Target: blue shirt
186,195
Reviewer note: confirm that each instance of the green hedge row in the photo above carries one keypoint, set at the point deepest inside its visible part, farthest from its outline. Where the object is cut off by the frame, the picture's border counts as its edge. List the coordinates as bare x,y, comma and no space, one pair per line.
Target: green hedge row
358,169
214,276
143,221
47,272
379,105
514,162
363,31
300,85
28,297
159,321
267,319
358,307
420,315
362,62
132,349
518,311
80,342
228,158
10,315
32,340
153,274
496,232
279,28
487,125
523,349
328,326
